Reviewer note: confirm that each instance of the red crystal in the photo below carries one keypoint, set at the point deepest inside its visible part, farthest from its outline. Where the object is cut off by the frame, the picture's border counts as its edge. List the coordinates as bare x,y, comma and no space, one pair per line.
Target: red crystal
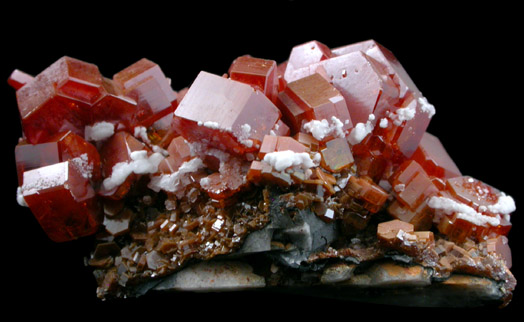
145,83
363,82
337,155
116,150
499,246
179,152
373,196
60,147
302,56
279,143
412,185
114,107
58,99
261,74
280,129
484,211
386,59
225,114
472,192
17,79
313,98
432,156
62,200
227,182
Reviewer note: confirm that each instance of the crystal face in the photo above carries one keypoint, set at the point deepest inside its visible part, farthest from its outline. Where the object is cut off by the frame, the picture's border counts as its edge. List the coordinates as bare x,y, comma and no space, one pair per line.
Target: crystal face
261,74
321,161
313,98
202,116
61,147
62,200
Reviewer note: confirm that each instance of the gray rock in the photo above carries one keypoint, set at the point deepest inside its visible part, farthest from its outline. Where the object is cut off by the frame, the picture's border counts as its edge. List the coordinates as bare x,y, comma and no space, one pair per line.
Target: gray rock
213,276
304,231
308,234
257,242
411,286
337,273
389,274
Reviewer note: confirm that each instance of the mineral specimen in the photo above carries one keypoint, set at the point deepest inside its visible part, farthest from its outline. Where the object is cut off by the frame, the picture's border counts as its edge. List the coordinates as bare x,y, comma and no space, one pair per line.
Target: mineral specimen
319,167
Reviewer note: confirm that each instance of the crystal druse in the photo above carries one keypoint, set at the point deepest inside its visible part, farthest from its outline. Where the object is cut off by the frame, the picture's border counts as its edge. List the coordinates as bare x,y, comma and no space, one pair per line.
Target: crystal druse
320,166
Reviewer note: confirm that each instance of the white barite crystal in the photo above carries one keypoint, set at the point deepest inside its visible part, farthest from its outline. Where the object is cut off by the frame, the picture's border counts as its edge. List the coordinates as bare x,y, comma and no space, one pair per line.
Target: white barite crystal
463,211
426,107
383,123
406,113
399,187
160,150
140,132
204,182
209,124
504,205
20,197
99,131
361,130
282,160
140,164
245,133
174,181
321,129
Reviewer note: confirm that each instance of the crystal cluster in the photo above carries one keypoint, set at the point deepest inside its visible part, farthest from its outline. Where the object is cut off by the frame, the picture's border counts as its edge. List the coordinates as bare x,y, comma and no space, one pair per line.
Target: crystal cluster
340,131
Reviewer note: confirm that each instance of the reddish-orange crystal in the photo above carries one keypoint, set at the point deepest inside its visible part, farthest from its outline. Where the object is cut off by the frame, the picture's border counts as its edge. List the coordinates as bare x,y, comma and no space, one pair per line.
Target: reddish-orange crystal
261,74
314,98
364,189
337,155
432,156
411,184
145,83
18,78
179,152
225,114
62,200
60,147
58,99
116,150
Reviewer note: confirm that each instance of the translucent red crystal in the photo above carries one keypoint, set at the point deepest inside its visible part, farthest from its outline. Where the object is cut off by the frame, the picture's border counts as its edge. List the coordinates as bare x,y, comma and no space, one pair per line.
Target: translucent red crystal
62,200
261,74
113,107
387,60
57,99
18,78
145,83
313,98
472,192
337,155
225,114
484,214
372,196
116,150
60,147
279,143
302,56
432,156
179,152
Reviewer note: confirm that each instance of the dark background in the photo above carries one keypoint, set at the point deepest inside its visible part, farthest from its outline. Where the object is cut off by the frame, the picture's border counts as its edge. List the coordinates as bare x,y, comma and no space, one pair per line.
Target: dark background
465,61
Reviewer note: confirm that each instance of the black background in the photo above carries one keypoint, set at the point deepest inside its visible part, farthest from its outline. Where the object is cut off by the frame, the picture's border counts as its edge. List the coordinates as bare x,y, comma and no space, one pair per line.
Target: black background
466,61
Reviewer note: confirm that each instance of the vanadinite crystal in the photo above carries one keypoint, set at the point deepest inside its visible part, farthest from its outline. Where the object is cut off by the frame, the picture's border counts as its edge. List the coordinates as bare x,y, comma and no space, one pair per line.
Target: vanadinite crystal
323,156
